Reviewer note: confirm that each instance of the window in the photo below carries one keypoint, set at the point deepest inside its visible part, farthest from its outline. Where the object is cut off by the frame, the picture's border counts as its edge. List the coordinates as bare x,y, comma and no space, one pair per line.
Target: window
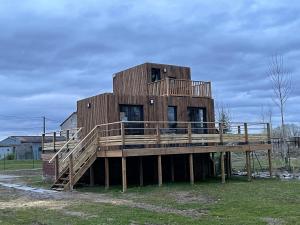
172,116
132,113
198,115
155,74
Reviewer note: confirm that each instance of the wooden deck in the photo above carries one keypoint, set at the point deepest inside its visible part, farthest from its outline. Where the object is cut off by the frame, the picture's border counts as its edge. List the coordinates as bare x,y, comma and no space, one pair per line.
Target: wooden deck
145,138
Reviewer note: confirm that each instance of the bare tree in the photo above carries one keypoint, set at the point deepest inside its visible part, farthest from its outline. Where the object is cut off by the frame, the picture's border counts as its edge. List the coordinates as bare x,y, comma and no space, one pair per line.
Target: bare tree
224,116
282,85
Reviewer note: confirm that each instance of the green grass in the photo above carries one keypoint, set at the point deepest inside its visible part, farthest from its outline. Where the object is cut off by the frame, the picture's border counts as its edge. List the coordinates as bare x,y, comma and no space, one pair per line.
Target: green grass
236,202
19,164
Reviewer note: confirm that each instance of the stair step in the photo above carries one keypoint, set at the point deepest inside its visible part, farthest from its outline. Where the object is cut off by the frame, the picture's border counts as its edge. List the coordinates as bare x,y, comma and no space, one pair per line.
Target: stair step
58,189
59,184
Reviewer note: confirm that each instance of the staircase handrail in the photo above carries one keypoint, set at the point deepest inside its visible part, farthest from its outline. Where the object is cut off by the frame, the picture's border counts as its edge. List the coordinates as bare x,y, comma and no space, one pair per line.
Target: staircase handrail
70,139
79,144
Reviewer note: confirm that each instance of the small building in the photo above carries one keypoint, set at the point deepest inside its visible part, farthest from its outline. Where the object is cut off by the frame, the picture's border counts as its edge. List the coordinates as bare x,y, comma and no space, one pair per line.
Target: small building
157,125
70,123
23,147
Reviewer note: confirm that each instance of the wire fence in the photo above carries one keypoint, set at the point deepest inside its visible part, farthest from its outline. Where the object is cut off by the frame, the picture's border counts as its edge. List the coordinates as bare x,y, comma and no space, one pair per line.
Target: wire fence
9,163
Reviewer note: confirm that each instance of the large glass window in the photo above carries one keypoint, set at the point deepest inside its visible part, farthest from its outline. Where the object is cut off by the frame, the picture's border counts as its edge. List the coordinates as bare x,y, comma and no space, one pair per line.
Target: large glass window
155,74
132,113
198,115
172,116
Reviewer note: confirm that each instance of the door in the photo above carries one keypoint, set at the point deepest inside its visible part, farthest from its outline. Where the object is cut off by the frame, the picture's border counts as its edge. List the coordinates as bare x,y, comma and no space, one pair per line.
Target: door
132,113
172,118
198,115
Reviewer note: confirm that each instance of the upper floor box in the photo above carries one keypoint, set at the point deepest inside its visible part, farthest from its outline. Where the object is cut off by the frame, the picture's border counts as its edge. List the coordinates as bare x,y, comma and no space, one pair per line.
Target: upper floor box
150,79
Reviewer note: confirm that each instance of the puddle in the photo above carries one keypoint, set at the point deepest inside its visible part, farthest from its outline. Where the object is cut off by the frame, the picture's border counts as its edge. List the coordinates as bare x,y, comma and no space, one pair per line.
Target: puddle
27,188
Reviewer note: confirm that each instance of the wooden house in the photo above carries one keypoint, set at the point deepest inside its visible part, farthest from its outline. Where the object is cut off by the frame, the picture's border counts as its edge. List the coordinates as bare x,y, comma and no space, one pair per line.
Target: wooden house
158,125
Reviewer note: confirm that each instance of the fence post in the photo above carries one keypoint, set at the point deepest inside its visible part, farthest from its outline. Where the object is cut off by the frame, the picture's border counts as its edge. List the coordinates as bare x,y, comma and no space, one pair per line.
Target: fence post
246,133
269,150
43,143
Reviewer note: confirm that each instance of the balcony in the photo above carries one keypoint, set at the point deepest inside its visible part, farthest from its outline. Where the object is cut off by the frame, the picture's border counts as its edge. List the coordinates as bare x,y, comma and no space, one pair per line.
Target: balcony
178,87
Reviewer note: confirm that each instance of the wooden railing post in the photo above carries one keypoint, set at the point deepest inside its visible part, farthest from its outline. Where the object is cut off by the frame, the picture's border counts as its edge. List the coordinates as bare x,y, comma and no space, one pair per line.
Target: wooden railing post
168,86
190,132
54,140
246,133
43,143
157,134
221,133
123,134
71,172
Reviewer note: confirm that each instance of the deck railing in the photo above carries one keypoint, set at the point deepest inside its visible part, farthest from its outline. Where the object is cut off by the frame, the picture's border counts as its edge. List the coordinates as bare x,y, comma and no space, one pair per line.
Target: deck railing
179,87
141,134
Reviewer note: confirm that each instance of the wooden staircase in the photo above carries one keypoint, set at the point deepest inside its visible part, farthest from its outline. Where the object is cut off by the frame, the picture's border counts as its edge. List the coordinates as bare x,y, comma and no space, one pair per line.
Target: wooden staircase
73,163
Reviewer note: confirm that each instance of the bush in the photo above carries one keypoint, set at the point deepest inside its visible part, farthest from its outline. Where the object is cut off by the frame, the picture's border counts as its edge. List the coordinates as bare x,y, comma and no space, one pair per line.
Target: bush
10,157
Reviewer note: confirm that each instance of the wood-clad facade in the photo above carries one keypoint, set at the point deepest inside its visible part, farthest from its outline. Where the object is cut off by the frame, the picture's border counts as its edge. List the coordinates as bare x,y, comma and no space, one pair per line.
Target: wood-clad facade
130,88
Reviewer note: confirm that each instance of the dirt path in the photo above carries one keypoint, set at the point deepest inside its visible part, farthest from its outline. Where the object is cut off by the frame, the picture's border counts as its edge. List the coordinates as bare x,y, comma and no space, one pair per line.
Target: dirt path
25,196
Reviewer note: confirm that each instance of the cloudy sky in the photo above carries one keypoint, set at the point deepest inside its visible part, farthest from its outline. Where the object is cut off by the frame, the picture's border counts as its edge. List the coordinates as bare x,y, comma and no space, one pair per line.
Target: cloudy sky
54,52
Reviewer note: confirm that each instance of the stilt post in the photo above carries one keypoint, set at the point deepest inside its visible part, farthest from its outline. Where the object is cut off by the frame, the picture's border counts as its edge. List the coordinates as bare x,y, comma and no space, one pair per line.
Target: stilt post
191,168
222,168
141,172
106,168
92,178
159,170
71,172
172,169
124,174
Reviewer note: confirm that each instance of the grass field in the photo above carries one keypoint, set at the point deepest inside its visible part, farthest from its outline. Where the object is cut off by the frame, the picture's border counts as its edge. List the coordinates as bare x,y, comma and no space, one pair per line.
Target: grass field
19,164
262,201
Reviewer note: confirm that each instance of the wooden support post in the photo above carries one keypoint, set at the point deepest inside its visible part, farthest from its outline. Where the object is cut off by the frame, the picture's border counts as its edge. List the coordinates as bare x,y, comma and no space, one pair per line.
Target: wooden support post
222,168
246,132
43,143
228,164
124,174
106,168
54,140
71,172
248,165
270,162
168,86
190,132
214,164
191,168
172,169
159,170
141,172
221,133
56,167
92,179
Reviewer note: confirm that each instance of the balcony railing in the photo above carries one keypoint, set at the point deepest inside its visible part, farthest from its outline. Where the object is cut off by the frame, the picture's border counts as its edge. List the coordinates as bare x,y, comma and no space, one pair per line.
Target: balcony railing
178,87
